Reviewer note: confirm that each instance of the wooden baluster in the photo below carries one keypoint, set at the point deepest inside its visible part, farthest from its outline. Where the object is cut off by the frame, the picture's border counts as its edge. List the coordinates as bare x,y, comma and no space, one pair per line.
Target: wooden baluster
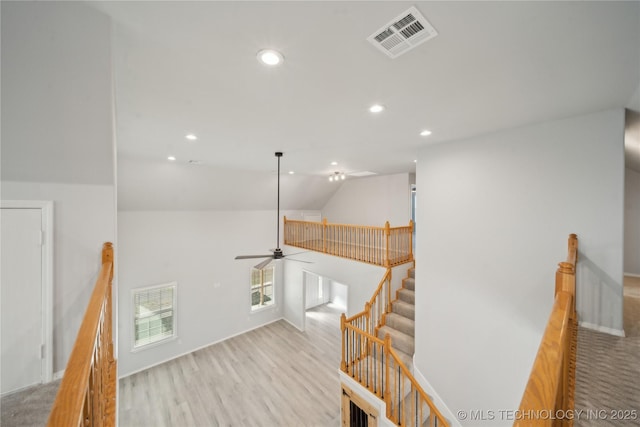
343,364
324,235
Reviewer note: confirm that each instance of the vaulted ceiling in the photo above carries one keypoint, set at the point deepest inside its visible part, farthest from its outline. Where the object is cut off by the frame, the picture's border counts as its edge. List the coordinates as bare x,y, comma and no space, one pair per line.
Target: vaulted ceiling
190,67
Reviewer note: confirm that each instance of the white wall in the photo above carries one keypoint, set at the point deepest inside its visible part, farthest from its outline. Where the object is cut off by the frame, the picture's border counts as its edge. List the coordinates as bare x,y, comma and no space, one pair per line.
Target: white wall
338,294
313,298
632,222
56,93
84,218
57,141
371,201
360,279
196,249
495,212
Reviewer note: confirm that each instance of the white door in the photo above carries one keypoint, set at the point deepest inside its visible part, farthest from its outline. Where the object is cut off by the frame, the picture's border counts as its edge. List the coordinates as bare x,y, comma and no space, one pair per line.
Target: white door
21,299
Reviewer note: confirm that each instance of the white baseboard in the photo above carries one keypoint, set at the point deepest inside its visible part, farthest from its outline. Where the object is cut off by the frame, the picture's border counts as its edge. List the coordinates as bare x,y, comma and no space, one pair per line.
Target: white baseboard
444,409
631,275
605,329
289,322
58,375
196,349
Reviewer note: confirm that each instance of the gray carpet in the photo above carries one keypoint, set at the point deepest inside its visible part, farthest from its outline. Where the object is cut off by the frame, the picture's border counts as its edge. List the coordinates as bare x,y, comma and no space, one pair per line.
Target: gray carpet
29,407
608,372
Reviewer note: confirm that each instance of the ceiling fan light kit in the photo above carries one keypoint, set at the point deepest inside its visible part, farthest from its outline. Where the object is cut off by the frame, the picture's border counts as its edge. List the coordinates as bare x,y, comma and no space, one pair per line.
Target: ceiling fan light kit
337,176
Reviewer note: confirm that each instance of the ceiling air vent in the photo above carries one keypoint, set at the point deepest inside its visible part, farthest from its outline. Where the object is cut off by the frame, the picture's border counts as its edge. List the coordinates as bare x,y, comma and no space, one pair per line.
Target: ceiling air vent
406,31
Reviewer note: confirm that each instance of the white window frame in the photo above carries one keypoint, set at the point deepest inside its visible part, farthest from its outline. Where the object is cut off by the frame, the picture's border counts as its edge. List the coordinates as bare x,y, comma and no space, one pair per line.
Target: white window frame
174,307
256,308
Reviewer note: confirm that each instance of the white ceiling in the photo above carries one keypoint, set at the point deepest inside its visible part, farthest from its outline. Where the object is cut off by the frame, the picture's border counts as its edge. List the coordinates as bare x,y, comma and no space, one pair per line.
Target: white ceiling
185,67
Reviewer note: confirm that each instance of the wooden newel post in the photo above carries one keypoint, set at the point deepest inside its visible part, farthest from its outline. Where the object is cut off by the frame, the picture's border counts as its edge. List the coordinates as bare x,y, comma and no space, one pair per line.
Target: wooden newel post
573,242
343,364
566,279
387,233
110,372
367,310
387,369
107,255
388,284
410,239
324,235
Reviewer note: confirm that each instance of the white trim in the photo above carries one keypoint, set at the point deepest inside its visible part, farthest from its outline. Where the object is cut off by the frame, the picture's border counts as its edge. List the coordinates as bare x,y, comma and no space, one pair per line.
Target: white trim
289,322
605,329
46,208
197,348
631,275
58,375
18,390
435,397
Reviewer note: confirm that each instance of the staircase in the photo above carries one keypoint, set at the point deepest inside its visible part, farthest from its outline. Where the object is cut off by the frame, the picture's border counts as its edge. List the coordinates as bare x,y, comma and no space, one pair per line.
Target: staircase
380,358
400,323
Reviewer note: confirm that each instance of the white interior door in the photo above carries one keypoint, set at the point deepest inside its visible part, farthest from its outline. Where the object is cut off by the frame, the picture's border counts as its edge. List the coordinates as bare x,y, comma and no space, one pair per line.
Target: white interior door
22,317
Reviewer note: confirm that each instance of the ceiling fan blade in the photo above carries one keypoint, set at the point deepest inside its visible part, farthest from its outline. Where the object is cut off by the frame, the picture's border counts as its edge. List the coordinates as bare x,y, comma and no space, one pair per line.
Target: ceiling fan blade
299,260
263,264
297,253
253,256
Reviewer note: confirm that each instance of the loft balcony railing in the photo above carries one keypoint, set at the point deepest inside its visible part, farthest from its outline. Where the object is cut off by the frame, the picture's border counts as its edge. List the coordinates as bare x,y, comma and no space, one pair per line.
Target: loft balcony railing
384,246
549,398
87,393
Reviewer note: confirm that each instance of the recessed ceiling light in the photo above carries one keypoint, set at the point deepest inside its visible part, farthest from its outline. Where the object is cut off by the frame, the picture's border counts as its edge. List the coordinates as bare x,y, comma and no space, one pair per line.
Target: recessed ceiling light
334,163
376,108
270,57
291,172
425,133
191,137
415,161
171,158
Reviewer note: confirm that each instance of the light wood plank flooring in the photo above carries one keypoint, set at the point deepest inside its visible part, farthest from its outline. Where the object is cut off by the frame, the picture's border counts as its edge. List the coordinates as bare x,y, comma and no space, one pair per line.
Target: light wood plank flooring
271,376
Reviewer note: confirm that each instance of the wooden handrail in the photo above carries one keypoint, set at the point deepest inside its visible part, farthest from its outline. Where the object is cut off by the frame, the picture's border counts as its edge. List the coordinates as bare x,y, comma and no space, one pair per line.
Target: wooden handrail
384,246
86,396
420,398
548,398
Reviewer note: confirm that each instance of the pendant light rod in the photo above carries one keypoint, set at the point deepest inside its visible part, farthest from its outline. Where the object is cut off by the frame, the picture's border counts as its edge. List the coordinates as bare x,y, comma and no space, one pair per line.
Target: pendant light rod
278,155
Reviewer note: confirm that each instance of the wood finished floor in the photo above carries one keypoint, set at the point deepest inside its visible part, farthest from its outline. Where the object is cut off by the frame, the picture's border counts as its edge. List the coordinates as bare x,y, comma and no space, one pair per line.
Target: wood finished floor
271,376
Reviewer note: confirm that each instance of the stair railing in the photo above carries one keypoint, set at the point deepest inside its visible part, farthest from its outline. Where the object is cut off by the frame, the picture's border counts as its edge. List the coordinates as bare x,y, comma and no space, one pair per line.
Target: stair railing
87,393
549,397
374,364
407,403
384,246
